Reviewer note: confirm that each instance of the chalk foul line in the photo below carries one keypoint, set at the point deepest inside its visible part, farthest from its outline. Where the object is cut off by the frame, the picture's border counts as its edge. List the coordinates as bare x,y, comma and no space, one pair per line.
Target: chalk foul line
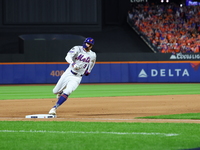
91,132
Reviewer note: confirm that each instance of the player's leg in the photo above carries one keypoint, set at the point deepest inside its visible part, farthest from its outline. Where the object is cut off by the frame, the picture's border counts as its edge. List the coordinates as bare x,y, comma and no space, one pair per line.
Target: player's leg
58,89
62,83
71,86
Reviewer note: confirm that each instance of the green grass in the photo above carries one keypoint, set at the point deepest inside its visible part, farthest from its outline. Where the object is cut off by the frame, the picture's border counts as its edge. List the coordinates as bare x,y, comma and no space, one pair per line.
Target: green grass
23,135
174,116
62,135
26,92
99,90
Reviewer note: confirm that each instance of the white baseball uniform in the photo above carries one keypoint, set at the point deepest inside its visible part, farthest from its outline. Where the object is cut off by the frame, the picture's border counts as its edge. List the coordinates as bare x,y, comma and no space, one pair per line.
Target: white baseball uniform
71,78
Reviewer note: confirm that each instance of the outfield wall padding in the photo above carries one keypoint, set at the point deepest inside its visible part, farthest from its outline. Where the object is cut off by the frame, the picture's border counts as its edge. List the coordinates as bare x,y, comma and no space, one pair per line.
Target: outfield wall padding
104,72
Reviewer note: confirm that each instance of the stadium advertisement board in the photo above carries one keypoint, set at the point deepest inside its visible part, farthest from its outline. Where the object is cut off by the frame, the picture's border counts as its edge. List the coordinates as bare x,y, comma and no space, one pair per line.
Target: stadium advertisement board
104,72
166,72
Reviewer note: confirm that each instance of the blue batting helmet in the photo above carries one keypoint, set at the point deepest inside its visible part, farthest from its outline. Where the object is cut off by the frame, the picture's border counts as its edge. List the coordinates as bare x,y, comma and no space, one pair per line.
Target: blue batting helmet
88,40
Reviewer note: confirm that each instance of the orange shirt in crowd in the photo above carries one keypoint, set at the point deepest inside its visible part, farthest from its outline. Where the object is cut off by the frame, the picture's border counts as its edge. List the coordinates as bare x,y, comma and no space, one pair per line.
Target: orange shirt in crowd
170,34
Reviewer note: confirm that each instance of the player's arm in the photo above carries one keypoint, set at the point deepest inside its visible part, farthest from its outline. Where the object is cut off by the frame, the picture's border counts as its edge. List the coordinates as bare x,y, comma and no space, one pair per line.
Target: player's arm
91,65
70,55
70,58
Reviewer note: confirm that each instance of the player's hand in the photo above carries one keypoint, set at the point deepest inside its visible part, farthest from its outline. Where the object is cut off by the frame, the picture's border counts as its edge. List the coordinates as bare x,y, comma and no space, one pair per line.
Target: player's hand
75,66
86,73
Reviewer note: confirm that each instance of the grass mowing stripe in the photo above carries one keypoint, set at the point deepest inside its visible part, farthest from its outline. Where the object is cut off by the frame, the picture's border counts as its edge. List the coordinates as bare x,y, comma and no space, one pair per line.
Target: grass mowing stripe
99,90
109,90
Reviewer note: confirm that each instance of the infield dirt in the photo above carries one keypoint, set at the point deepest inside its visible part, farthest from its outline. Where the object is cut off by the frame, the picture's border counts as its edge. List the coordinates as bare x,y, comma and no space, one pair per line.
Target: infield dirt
105,109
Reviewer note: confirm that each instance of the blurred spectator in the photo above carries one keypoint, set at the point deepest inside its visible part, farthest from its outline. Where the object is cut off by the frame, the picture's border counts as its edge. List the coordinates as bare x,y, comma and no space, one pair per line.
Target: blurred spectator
170,28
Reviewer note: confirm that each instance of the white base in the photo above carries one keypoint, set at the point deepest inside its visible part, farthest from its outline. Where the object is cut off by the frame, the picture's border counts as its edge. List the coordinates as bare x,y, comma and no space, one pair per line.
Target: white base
40,116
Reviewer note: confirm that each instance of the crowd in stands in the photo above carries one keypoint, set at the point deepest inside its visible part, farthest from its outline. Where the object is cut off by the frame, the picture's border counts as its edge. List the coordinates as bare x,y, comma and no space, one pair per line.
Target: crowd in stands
169,27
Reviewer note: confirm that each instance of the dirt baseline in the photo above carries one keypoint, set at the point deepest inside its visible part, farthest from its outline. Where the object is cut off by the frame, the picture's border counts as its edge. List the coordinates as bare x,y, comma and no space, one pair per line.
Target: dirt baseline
105,109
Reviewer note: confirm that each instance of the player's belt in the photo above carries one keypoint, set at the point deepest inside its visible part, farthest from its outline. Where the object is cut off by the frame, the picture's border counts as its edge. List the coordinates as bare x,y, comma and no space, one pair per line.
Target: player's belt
75,73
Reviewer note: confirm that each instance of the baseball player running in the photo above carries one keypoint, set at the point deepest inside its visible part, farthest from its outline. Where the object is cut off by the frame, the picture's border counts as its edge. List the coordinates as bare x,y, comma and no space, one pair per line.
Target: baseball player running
81,59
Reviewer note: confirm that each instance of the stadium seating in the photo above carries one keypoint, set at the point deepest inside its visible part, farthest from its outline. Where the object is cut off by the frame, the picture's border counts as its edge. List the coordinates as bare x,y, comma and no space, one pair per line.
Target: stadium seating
169,28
